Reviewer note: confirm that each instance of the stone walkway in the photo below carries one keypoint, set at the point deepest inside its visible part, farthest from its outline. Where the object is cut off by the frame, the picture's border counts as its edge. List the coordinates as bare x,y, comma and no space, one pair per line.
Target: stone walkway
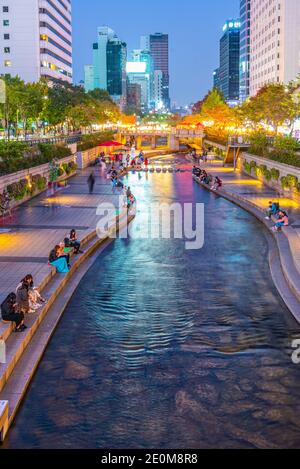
258,194
37,226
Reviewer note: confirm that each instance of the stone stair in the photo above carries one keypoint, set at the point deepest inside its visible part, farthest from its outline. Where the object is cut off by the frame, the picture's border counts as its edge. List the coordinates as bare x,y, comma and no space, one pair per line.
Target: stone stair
51,287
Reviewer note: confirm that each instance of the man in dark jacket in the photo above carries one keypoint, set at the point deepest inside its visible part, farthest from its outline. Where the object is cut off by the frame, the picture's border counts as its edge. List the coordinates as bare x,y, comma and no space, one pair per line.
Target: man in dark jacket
9,313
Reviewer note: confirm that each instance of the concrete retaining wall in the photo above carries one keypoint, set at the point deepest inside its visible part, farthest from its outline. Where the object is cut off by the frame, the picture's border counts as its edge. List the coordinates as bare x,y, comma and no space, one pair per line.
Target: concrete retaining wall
88,157
283,169
43,170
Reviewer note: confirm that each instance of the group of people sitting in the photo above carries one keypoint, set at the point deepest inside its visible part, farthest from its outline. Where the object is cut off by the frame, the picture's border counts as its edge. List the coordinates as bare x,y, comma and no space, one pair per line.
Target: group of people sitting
280,215
59,257
215,183
25,300
116,176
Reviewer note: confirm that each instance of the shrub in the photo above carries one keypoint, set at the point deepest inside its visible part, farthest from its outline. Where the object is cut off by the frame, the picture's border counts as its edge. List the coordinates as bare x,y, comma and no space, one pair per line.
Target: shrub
16,156
60,171
39,182
289,181
268,175
91,141
275,174
259,144
293,180
247,167
18,190
285,145
263,169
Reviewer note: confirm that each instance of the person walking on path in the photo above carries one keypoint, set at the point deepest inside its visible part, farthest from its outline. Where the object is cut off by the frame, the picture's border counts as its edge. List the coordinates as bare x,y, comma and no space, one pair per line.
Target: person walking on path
91,182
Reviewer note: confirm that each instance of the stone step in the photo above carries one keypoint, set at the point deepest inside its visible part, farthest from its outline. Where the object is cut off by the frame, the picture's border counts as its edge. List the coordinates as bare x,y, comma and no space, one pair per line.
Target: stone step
3,419
23,371
17,343
6,328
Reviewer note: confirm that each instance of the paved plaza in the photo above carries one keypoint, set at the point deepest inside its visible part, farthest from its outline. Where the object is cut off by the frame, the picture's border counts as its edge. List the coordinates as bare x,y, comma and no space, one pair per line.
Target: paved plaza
37,226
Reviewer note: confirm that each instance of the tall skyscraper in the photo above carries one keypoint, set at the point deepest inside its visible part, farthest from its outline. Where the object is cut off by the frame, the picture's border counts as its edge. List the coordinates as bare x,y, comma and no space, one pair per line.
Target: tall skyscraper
245,14
159,49
36,39
108,71
228,73
275,42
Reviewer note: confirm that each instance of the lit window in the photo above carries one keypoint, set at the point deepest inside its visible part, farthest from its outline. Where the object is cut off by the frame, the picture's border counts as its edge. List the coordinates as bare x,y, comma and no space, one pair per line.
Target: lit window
7,63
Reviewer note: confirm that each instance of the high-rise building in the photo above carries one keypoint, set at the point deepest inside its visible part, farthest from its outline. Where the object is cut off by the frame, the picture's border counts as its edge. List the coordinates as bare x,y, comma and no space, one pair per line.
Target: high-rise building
159,49
36,39
108,71
216,77
134,97
228,73
158,90
275,42
245,14
116,70
137,74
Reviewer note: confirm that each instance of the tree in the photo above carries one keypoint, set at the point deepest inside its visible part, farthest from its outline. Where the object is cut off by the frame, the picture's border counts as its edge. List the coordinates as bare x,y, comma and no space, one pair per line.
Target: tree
216,110
273,106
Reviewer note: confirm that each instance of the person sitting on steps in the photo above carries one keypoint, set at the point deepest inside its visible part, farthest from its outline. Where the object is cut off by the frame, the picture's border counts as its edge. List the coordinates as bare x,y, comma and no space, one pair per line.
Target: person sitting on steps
273,210
283,220
10,313
217,184
22,297
74,242
59,260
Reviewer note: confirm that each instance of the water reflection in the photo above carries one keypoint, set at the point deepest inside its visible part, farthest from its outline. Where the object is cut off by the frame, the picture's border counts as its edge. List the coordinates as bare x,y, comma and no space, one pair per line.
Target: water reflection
162,347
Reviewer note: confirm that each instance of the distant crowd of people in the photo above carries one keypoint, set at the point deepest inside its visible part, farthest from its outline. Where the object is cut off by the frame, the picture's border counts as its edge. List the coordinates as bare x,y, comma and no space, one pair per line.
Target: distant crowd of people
122,160
25,300
198,158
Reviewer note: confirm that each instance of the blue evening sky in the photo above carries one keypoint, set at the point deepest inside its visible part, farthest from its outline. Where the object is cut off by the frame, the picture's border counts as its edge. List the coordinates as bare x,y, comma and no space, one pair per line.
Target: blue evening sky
194,26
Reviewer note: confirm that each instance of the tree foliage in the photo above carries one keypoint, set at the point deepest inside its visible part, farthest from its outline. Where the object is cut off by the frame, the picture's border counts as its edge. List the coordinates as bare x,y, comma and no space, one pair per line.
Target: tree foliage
61,104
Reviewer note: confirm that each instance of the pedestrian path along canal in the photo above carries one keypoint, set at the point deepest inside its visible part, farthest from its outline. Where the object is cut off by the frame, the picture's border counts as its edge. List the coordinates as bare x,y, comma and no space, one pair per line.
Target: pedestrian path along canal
161,347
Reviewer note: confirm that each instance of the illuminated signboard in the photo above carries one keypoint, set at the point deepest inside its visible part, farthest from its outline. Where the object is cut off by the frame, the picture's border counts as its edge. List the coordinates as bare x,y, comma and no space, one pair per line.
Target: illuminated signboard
136,67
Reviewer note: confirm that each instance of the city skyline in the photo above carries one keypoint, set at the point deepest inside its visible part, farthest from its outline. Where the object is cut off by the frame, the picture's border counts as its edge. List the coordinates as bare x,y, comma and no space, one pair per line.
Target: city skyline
191,67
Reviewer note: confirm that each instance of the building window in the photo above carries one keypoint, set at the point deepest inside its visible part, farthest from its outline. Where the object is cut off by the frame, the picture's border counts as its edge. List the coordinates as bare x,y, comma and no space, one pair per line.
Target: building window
5,9
6,36
7,63
6,50
5,22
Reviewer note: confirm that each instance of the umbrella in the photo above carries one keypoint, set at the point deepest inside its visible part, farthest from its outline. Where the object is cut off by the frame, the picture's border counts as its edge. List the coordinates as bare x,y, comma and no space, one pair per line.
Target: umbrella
111,143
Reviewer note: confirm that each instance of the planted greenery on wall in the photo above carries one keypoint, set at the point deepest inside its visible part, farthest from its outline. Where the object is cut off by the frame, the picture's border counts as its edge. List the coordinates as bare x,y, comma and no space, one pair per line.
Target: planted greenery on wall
16,156
287,182
26,187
